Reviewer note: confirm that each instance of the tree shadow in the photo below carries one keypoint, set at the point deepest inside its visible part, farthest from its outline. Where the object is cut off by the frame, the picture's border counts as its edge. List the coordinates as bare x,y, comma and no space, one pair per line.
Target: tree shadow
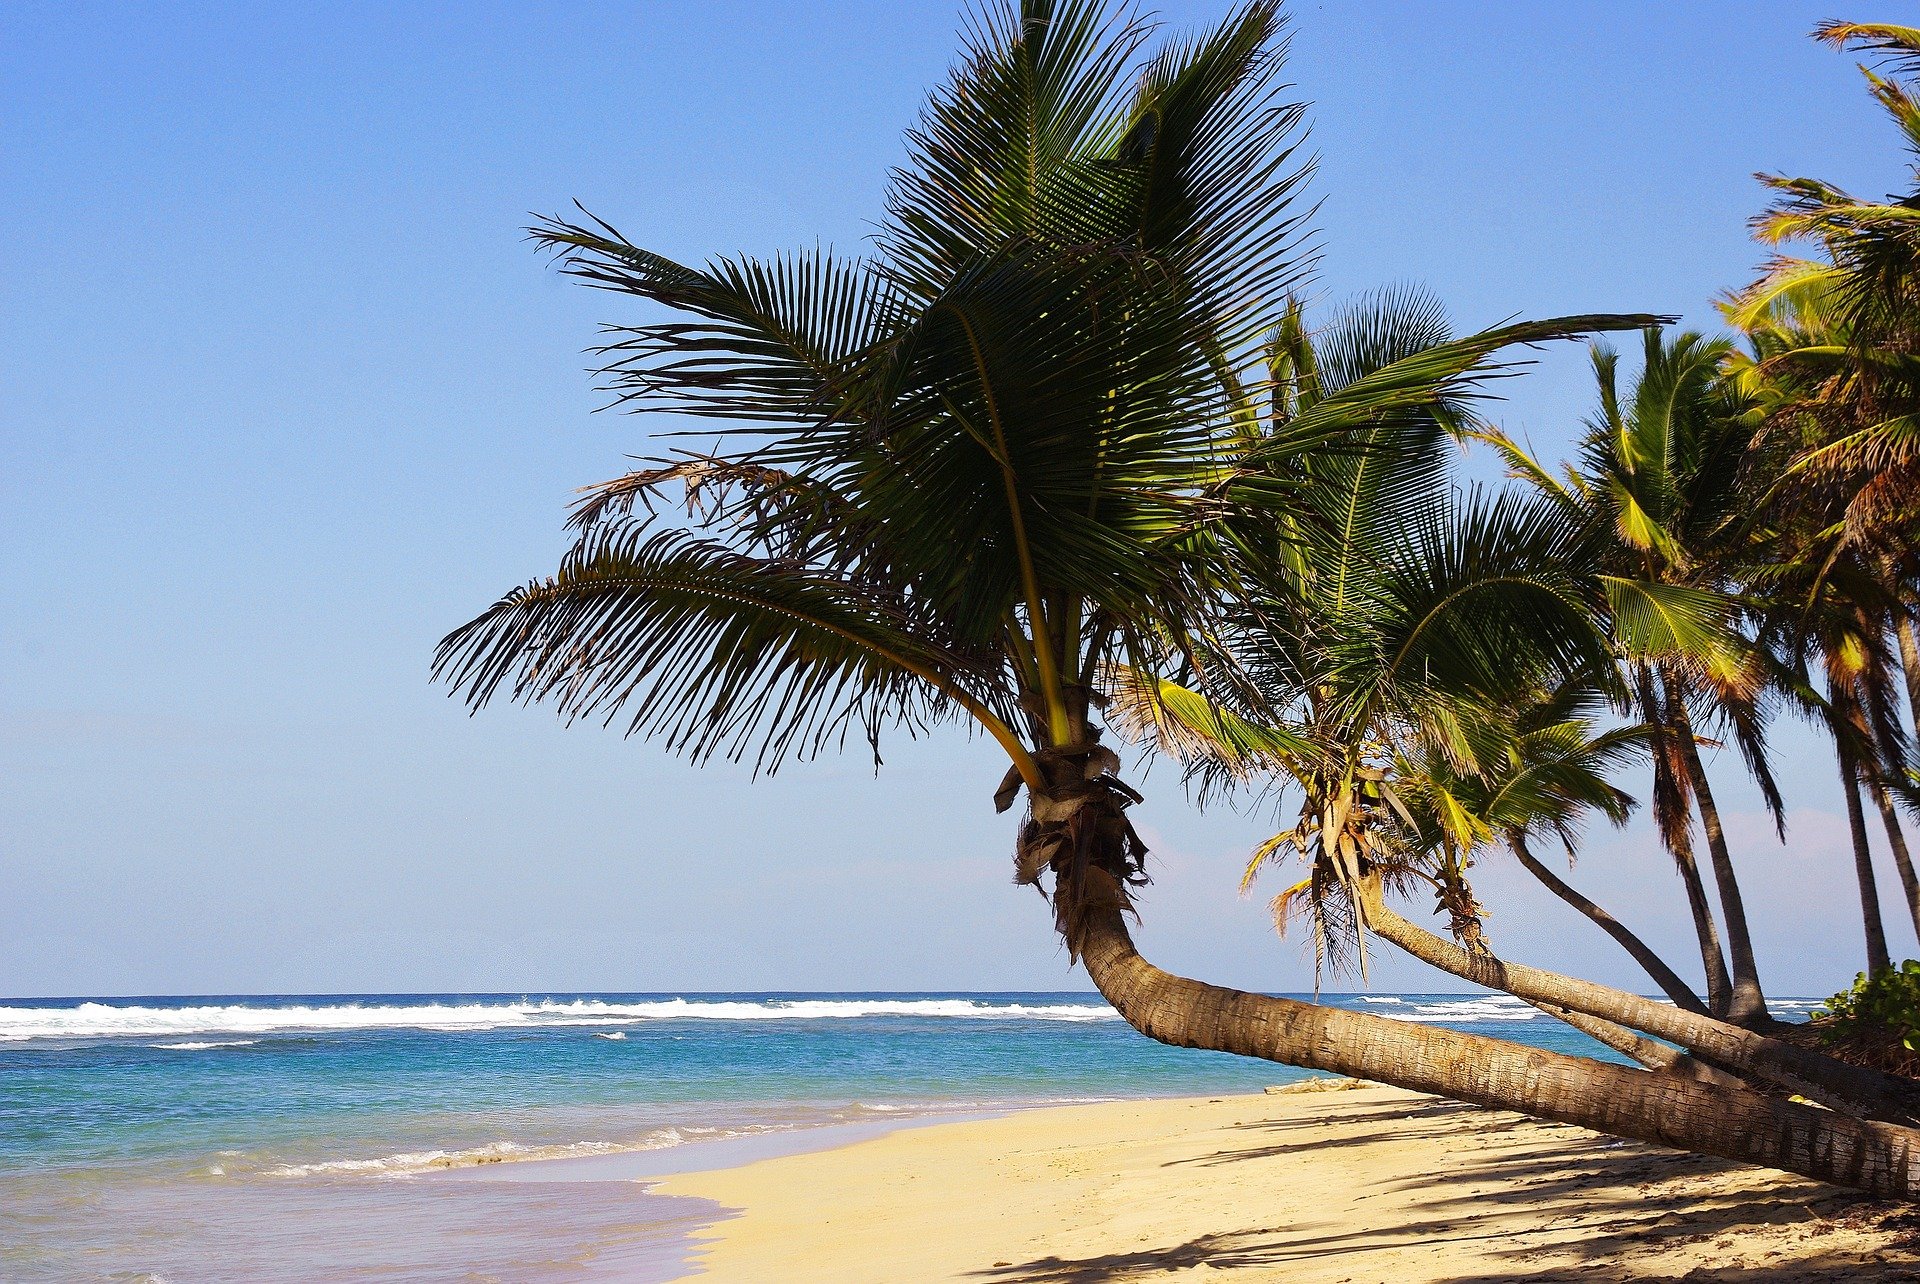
1227,1251
1594,1204
1397,1124
1243,1250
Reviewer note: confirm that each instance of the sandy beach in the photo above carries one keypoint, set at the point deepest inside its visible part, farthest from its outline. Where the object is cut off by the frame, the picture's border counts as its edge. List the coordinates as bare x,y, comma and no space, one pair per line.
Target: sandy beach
1347,1187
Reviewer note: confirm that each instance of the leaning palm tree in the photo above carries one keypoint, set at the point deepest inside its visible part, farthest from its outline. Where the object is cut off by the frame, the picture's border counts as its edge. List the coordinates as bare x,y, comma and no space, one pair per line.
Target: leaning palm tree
1406,634
1661,484
1386,605
1542,768
961,478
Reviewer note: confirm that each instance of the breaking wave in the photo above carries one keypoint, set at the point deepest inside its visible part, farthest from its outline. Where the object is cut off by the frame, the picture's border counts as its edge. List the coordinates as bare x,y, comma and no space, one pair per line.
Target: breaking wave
108,1020
1467,1010
408,1163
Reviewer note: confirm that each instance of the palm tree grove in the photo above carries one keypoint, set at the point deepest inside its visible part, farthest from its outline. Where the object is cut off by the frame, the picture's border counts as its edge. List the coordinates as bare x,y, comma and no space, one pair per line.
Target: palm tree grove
1070,457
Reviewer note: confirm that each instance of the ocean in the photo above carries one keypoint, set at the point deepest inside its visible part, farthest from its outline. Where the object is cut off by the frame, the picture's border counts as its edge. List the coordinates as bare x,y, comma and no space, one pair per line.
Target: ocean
268,1138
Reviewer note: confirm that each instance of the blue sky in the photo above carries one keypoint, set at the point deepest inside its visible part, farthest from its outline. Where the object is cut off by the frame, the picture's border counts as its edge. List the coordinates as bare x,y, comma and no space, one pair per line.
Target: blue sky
284,396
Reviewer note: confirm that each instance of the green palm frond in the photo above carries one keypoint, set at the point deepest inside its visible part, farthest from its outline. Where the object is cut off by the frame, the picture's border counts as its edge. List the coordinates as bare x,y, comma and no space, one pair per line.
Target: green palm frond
1217,746
1446,374
1000,435
1679,624
1789,291
771,341
711,650
1477,600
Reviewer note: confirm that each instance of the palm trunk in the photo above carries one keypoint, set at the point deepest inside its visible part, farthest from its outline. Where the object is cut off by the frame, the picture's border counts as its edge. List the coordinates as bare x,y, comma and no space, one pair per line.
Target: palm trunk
1713,959
1897,844
1665,1109
1649,1053
1891,747
1747,1004
1877,957
1908,635
1754,1057
1665,977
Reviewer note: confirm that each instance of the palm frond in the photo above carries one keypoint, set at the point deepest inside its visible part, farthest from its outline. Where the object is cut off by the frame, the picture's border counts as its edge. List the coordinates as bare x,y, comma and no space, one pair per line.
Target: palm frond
712,650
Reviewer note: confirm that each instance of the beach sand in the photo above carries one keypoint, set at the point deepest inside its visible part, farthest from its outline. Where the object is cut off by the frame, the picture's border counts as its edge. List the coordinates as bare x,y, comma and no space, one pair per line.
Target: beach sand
1361,1186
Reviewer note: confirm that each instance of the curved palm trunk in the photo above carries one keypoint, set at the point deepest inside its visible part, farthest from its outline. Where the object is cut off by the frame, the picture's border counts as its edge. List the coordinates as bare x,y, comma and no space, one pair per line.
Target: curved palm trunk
1664,1109
1665,977
1746,1003
1897,844
1876,931
1755,1057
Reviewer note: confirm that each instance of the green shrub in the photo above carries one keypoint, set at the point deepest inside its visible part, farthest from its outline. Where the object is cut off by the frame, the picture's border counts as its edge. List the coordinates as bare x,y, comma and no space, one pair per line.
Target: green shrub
1887,1003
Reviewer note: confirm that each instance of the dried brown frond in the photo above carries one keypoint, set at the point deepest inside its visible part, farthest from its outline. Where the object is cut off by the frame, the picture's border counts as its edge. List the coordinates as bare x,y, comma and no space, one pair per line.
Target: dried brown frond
705,479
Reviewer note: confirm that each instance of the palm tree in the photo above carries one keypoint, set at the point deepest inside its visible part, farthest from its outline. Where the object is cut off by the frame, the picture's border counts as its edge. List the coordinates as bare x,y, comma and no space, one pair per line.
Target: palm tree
1834,365
1660,486
1542,767
962,478
1865,356
1389,605
1821,606
1400,661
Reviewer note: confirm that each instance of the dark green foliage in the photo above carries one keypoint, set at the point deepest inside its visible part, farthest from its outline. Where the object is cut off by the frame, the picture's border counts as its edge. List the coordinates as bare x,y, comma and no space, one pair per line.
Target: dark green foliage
1882,1006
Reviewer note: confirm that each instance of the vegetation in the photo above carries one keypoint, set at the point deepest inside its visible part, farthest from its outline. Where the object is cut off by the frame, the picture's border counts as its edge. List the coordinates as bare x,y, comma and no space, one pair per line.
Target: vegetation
1886,1002
1877,1021
1065,456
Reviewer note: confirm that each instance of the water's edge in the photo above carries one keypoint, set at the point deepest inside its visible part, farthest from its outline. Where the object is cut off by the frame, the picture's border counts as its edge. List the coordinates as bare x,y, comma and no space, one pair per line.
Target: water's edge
439,1137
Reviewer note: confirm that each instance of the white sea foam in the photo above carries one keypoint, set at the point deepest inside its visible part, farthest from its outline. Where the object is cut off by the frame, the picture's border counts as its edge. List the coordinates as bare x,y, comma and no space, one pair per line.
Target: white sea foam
108,1020
1474,1009
616,1034
197,1028
1468,1011
412,1162
958,1105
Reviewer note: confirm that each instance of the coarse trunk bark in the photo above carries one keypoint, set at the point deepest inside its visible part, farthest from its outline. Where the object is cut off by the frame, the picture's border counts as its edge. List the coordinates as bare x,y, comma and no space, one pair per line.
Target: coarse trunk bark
1747,1004
1755,1057
1897,844
1665,977
1876,931
1650,1053
1665,1109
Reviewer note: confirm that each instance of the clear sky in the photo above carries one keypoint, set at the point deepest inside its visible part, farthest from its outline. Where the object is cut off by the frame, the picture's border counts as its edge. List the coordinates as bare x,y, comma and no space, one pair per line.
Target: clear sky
284,396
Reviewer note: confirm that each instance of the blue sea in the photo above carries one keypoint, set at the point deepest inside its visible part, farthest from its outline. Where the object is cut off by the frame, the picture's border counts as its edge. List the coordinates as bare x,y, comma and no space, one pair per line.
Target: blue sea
302,1137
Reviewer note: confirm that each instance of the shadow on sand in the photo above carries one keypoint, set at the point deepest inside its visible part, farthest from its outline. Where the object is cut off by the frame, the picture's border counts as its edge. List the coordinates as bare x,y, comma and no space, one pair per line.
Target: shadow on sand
1594,1205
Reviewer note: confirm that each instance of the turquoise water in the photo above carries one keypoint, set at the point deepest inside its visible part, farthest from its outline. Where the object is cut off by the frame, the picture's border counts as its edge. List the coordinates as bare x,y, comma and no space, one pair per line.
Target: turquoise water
260,1138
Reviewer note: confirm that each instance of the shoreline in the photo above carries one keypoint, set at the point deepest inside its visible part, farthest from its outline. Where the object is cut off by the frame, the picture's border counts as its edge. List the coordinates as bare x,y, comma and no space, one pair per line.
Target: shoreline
1363,1185
653,1165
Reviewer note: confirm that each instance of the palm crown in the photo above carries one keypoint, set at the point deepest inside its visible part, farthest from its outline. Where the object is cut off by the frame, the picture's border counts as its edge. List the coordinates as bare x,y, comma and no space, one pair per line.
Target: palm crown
1025,441
1399,622
965,469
